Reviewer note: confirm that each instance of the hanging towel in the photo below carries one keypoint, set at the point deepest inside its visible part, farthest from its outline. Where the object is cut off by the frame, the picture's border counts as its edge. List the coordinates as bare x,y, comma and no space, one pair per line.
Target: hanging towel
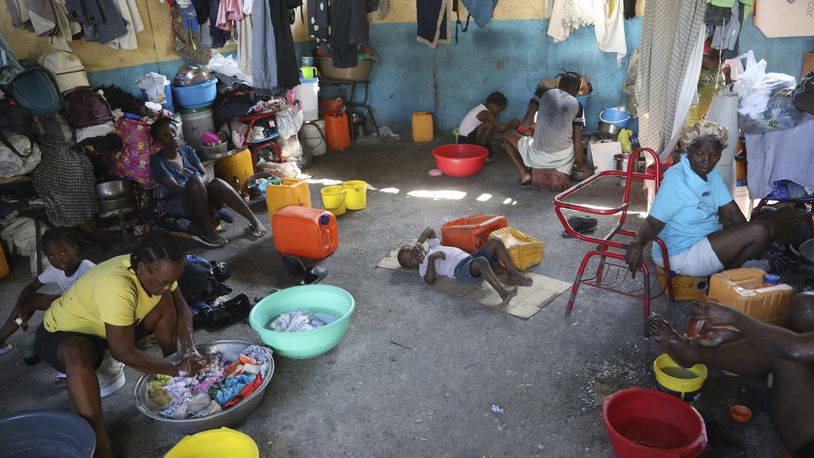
432,22
481,10
609,26
132,17
671,53
244,41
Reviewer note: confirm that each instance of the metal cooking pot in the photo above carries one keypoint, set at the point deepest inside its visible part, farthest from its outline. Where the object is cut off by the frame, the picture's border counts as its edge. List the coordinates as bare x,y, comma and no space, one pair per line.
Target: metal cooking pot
190,75
113,189
116,204
608,128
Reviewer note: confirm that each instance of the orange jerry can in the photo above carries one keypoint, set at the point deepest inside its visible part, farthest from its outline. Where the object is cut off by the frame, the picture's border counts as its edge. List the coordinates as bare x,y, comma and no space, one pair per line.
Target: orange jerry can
306,232
237,165
337,129
4,270
472,232
291,191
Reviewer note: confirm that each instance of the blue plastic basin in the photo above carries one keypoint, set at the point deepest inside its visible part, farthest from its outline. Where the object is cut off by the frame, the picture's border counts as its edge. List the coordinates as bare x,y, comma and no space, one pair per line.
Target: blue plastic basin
313,298
46,434
617,116
196,96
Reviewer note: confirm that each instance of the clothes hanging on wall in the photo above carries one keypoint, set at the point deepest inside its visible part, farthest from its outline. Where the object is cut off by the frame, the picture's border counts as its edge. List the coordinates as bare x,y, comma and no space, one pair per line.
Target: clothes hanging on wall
245,31
569,15
481,10
609,27
432,22
630,9
726,36
132,17
671,54
100,19
288,70
318,19
264,54
219,36
348,29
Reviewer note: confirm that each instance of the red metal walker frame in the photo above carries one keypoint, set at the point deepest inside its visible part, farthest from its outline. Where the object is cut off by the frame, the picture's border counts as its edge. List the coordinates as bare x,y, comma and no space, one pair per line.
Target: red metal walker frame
610,276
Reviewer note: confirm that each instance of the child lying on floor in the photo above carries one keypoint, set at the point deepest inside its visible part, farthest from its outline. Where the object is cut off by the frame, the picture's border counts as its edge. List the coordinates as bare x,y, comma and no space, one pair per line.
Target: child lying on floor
455,263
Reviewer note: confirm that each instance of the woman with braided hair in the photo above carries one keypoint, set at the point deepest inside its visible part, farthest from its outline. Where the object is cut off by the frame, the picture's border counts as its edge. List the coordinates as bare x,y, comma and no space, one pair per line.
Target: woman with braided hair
119,301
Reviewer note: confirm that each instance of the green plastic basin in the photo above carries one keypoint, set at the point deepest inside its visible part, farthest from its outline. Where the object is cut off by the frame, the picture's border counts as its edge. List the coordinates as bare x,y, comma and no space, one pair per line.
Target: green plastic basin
314,298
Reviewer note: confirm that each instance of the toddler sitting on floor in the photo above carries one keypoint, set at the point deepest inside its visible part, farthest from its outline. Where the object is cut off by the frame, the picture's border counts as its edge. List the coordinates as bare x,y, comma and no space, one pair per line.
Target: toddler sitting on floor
455,263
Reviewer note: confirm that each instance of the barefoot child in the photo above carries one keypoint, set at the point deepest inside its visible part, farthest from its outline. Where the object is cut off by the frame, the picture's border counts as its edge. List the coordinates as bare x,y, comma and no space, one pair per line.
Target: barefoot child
66,267
481,122
455,263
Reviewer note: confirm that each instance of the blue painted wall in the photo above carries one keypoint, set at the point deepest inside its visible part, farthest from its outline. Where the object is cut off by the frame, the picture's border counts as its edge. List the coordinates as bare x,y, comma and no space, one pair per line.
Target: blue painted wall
509,56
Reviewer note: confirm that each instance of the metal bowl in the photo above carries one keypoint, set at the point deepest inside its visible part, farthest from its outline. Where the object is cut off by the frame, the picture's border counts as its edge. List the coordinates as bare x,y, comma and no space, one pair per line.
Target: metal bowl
190,75
231,349
116,204
113,189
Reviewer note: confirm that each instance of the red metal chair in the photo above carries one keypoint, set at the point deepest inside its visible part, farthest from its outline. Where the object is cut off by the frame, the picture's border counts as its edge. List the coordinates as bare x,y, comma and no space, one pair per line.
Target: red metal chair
611,276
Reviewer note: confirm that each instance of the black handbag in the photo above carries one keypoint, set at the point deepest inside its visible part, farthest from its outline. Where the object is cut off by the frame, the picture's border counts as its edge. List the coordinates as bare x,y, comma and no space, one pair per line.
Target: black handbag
803,94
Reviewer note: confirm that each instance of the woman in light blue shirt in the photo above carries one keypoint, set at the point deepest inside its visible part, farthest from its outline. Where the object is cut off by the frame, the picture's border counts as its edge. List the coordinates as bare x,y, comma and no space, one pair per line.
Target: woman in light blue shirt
695,215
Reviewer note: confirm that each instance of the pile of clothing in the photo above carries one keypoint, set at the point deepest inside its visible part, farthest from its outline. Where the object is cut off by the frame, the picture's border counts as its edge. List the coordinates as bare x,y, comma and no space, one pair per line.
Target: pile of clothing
219,386
300,320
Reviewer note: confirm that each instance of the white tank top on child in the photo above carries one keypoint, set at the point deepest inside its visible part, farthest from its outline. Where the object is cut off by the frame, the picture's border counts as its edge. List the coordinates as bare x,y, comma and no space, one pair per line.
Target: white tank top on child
443,267
471,121
53,275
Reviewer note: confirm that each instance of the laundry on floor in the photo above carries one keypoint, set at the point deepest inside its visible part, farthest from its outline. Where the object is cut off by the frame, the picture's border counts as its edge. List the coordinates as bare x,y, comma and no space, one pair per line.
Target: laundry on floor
301,320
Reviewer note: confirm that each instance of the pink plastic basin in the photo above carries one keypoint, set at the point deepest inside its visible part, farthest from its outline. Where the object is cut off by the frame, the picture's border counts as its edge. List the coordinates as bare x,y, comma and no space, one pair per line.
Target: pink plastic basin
459,160
651,424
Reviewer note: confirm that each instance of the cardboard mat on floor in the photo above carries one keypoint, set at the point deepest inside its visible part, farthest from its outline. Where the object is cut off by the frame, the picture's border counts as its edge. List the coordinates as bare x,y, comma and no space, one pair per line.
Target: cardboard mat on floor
529,300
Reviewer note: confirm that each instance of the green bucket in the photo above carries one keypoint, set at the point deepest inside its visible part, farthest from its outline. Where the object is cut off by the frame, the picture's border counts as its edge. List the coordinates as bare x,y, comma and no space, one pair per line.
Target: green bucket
313,298
455,133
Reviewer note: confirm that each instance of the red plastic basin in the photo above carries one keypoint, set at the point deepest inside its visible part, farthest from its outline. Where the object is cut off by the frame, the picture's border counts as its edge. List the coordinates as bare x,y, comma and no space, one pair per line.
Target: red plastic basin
458,160
651,424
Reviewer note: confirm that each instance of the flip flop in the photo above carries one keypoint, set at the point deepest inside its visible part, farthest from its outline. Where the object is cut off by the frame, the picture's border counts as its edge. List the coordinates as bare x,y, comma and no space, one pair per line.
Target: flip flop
5,349
314,274
257,232
294,266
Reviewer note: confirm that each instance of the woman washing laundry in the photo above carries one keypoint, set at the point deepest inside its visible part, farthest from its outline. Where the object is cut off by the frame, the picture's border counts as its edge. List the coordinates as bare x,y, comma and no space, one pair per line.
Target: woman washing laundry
690,208
111,306
185,189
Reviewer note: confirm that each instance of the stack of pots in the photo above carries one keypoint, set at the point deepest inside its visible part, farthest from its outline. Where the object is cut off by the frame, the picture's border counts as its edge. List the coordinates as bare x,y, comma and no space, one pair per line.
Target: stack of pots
194,90
114,195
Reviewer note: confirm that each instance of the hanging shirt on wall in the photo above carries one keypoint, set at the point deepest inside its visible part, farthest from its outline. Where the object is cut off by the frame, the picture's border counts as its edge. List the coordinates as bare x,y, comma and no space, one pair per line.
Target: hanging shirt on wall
318,19
288,71
432,22
264,53
245,31
481,10
131,16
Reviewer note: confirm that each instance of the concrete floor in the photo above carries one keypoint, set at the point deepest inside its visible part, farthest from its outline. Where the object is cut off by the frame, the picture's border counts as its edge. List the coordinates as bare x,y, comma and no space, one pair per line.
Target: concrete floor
372,397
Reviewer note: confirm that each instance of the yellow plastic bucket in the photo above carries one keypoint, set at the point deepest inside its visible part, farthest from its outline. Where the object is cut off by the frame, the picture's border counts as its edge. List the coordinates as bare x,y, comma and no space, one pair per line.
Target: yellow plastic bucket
215,443
356,194
333,199
678,381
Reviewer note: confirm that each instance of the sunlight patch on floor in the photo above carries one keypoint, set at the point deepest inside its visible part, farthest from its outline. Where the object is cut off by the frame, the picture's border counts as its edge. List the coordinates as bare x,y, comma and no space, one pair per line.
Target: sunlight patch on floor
436,195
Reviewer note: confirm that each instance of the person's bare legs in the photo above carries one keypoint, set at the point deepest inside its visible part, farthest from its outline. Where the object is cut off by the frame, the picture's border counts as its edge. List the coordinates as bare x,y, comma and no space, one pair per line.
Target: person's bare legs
40,302
740,357
221,192
480,267
510,139
495,249
738,244
528,118
195,200
482,135
162,323
80,356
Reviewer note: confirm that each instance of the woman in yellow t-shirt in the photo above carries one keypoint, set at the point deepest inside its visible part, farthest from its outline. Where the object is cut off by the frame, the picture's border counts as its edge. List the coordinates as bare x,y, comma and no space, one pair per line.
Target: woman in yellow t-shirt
110,307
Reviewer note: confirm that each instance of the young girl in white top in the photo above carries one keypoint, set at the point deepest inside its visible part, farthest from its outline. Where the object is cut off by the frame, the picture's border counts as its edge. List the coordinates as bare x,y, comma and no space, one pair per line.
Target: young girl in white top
481,122
66,267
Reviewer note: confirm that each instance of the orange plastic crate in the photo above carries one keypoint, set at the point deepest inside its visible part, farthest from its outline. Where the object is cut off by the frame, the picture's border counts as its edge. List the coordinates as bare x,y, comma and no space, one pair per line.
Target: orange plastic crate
470,233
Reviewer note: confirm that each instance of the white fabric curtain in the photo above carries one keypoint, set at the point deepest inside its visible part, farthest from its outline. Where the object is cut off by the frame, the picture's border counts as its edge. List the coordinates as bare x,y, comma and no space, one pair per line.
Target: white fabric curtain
671,53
